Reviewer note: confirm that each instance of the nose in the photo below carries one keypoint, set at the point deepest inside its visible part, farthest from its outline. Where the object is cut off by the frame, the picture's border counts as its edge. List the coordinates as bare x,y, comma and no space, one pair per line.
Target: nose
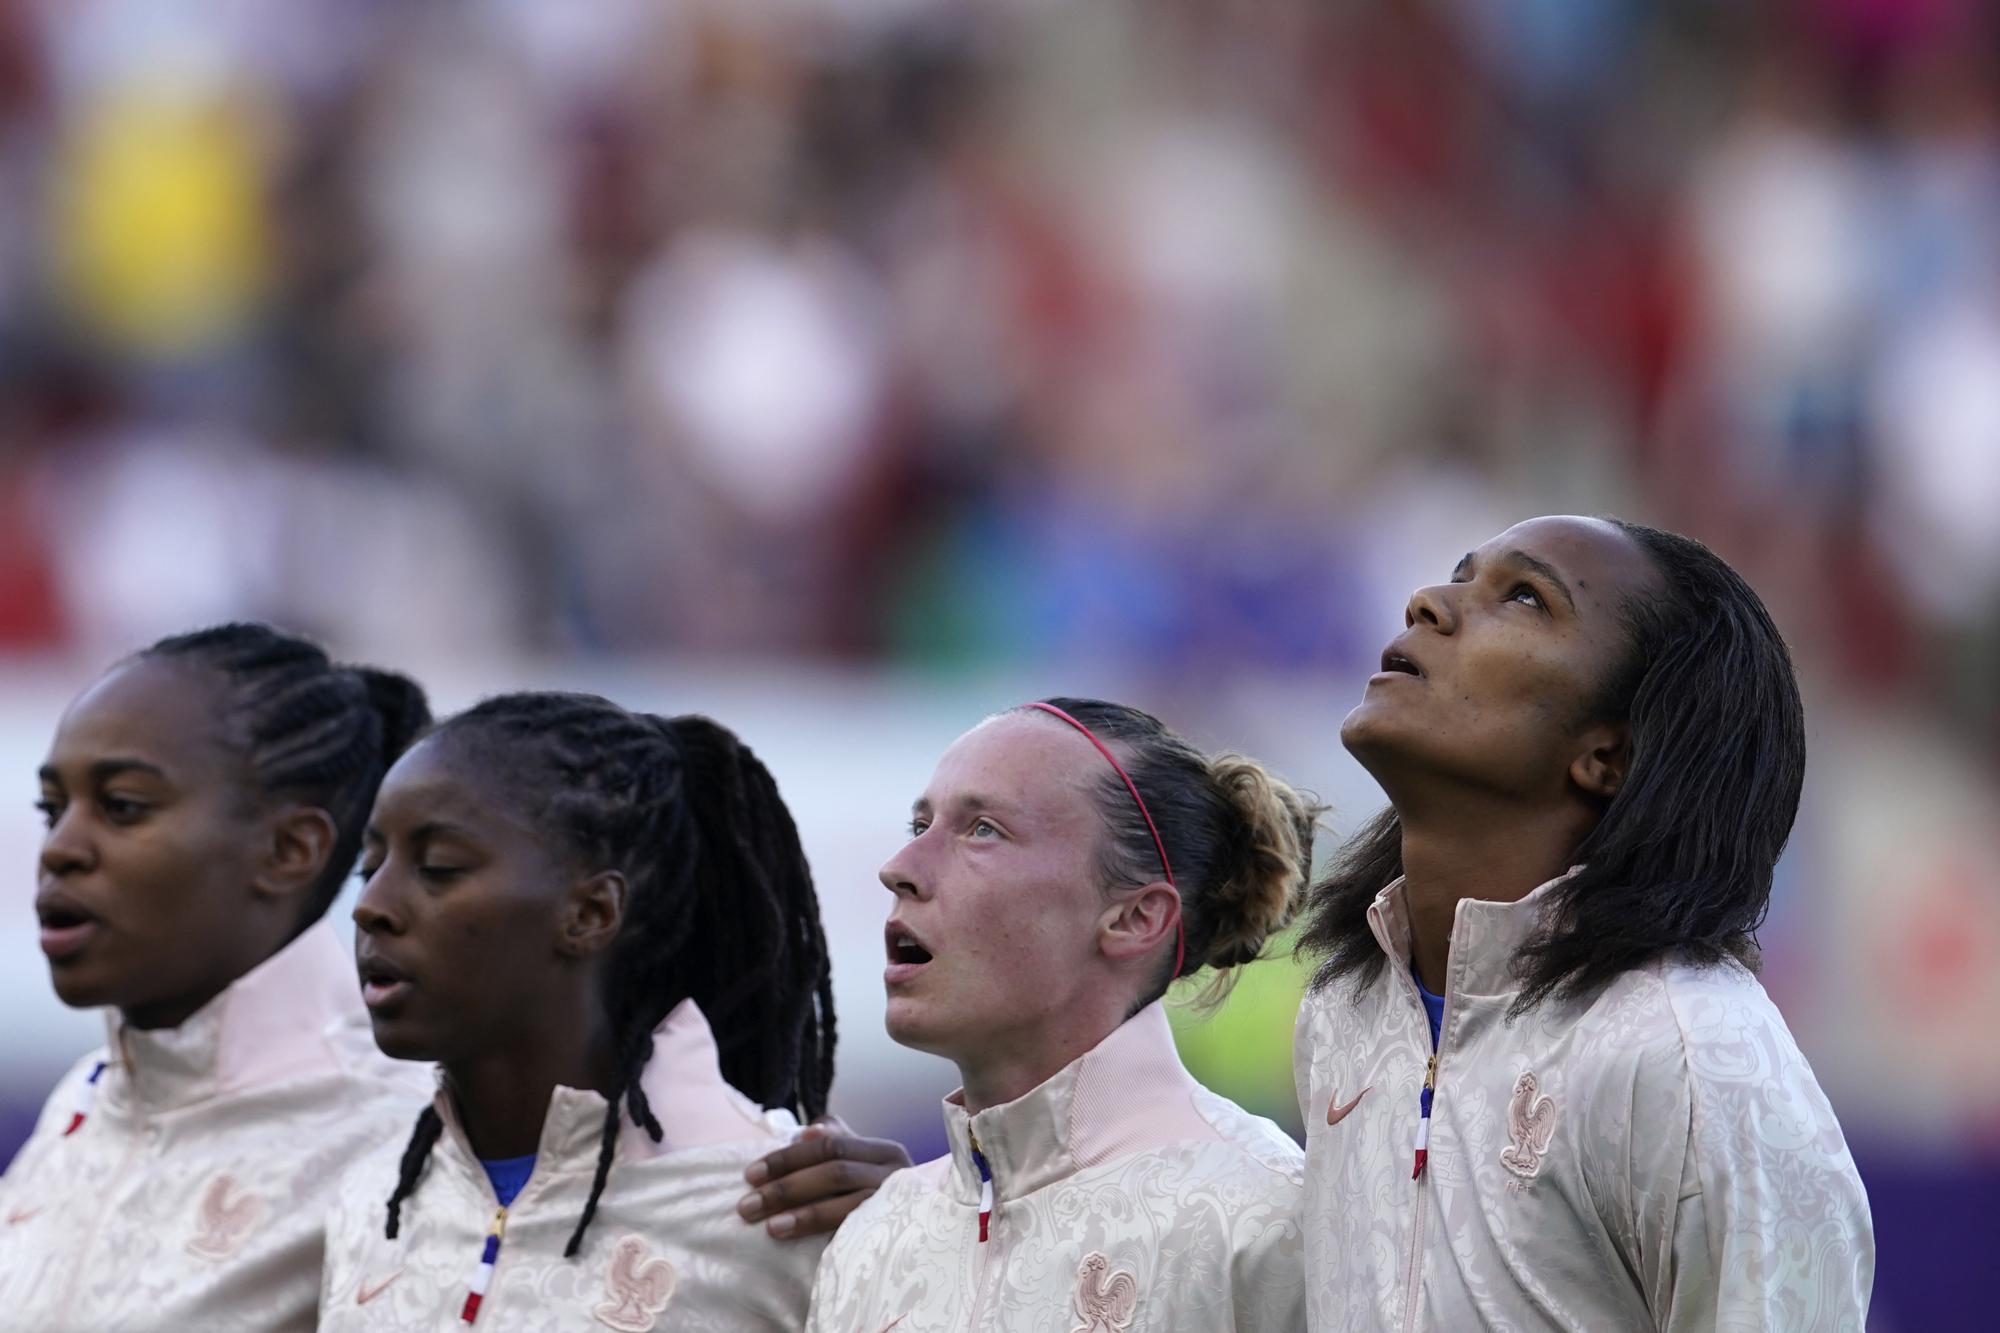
899,874
1434,606
66,847
375,913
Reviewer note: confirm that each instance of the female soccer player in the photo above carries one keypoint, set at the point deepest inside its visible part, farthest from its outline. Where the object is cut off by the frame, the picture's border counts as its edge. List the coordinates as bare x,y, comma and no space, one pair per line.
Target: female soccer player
1068,861
204,801
1542,1088
584,916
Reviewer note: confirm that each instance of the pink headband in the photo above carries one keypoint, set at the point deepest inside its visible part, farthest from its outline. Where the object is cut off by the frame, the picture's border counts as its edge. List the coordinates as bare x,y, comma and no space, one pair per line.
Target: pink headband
1180,924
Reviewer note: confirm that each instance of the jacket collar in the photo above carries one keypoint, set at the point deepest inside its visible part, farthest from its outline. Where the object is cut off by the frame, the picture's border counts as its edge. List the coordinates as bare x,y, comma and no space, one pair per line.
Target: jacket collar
1485,936
276,1021
1128,1093
683,1083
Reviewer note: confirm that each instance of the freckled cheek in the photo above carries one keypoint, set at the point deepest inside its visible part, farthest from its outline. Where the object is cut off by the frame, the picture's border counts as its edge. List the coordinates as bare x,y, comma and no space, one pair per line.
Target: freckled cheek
999,947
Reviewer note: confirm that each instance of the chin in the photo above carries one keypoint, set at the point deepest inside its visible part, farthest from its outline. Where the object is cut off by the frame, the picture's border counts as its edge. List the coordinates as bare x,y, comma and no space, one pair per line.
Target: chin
1367,729
80,990
909,1024
399,1042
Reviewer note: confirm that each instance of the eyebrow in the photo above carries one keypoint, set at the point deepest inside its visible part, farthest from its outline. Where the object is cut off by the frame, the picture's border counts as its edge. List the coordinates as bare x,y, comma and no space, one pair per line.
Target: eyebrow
424,832
105,769
969,801
1531,563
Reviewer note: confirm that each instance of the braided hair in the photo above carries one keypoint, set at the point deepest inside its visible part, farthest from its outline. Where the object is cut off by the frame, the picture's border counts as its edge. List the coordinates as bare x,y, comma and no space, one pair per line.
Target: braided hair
721,908
309,728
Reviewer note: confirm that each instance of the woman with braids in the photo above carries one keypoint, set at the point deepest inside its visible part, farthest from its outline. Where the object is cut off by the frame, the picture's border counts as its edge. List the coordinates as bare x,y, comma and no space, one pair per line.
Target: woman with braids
600,926
1070,860
205,800
1542,1088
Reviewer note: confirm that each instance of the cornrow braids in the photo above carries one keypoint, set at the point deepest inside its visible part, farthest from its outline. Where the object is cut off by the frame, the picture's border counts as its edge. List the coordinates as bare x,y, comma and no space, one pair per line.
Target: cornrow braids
310,729
721,908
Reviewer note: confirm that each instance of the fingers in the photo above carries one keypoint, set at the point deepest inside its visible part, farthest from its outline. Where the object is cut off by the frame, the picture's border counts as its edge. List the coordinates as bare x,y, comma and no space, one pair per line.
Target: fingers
818,1144
808,1187
815,1199
817,1219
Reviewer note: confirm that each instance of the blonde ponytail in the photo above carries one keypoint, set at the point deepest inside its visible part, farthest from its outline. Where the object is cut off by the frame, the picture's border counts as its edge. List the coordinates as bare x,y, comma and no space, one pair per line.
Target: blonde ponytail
1237,837
1262,886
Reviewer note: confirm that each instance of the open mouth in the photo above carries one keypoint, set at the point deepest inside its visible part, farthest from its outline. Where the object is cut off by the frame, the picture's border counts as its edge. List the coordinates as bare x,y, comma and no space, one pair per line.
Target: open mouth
906,951
66,927
1394,663
382,983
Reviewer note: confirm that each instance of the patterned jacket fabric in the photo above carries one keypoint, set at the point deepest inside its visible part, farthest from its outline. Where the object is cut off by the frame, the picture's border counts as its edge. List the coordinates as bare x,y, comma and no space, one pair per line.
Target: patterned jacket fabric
666,1249
1127,1199
1658,1156
193,1194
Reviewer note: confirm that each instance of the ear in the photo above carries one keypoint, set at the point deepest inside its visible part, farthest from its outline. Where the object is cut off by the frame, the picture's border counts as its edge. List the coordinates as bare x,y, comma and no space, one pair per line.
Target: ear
1599,769
592,911
1140,922
302,838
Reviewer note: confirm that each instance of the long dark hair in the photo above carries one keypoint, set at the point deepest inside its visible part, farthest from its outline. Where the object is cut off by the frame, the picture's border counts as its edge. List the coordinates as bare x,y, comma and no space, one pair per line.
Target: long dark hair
308,728
1680,864
721,908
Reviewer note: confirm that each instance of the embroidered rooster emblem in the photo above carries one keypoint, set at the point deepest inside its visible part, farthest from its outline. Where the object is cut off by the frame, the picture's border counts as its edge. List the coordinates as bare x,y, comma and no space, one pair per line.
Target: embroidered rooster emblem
1531,1123
224,1220
638,1288
1105,1300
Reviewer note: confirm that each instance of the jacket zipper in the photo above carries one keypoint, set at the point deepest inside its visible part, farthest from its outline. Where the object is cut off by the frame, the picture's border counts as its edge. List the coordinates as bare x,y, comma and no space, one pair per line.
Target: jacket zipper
489,1259
985,1257
1426,1098
489,1254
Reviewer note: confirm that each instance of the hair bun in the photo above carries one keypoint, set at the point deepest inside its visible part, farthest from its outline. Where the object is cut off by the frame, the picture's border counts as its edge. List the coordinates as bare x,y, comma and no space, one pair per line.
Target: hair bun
401,704
1263,890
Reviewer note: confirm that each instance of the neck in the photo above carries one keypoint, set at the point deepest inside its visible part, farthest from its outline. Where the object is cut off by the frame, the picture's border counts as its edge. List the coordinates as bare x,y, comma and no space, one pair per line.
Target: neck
169,1013
995,1077
503,1095
173,1011
1451,856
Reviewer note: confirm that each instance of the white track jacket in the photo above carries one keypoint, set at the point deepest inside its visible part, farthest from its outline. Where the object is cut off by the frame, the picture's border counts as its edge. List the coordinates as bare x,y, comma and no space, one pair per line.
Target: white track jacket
1125,1198
1659,1156
666,1249
193,1192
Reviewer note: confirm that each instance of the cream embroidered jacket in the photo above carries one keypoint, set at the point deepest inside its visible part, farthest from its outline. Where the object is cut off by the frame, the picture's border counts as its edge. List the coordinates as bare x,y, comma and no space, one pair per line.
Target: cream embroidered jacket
192,1196
1659,1156
665,1250
1126,1198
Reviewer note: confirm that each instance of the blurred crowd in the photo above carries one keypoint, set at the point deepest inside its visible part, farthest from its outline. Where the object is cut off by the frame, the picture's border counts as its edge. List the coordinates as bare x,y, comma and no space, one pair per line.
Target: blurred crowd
1176,336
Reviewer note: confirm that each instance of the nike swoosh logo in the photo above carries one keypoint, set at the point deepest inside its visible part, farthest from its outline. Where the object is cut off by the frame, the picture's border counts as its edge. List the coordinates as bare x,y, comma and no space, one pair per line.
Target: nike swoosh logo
20,1215
1335,1114
365,1293
893,1322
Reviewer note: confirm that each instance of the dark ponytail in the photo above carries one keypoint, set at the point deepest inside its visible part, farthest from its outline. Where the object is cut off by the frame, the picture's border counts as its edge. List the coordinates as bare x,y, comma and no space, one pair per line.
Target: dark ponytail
766,984
721,909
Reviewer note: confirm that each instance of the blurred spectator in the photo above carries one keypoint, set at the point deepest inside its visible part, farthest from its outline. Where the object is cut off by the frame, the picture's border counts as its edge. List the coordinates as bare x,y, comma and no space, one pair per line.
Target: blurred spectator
1160,337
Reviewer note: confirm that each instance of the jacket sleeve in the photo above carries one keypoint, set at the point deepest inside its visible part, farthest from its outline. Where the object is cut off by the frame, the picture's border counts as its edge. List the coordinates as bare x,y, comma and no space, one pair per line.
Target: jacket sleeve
1268,1277
1770,1229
